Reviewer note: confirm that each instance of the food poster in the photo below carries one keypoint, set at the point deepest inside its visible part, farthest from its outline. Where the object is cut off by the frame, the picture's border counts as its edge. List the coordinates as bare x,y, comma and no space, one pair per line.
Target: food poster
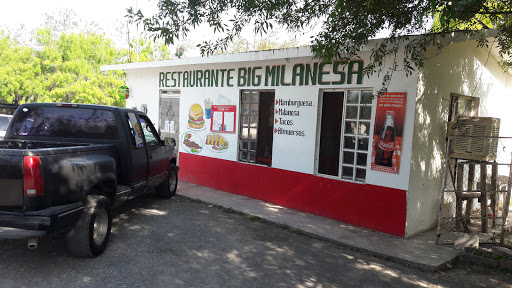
223,118
200,116
388,131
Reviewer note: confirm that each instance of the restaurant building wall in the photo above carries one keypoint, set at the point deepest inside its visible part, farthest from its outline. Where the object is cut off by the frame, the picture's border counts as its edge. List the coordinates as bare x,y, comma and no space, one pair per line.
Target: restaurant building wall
402,203
463,69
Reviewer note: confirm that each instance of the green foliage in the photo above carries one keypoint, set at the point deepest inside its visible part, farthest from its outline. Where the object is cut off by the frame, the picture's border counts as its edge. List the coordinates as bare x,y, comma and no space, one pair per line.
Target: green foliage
61,62
346,25
148,51
62,70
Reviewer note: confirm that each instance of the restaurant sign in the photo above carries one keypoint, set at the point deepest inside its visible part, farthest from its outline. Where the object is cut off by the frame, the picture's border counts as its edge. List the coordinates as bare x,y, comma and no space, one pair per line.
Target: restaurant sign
318,73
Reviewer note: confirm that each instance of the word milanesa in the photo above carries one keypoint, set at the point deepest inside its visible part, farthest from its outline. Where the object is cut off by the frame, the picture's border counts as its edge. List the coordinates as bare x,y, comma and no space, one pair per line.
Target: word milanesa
275,75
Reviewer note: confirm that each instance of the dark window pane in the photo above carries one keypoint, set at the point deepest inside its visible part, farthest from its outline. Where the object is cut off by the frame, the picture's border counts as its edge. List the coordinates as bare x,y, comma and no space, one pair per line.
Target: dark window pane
366,97
330,133
350,142
362,144
243,156
361,159
347,172
252,156
351,112
252,145
366,113
245,121
360,174
244,145
348,157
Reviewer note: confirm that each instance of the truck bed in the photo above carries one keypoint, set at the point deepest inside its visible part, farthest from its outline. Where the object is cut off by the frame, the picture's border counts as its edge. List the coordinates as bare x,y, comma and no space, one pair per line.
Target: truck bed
27,145
67,168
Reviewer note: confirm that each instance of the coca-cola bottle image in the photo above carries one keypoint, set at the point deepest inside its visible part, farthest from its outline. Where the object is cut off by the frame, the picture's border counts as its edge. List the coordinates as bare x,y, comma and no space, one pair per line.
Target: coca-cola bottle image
386,143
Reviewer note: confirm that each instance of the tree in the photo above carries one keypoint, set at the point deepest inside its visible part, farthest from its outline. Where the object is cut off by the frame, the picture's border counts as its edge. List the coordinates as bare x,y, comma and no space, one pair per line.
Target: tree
148,51
267,42
19,69
70,69
62,70
346,25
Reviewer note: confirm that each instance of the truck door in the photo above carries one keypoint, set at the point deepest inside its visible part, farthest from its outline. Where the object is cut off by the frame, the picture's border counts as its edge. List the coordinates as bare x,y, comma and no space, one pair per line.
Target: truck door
157,156
139,156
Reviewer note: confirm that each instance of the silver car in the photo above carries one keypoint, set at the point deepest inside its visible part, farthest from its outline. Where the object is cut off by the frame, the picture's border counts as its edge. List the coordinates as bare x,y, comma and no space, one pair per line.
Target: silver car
4,122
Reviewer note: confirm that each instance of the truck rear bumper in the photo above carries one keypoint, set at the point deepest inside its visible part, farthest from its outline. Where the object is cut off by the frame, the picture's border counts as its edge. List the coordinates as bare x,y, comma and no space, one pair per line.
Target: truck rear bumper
16,233
37,223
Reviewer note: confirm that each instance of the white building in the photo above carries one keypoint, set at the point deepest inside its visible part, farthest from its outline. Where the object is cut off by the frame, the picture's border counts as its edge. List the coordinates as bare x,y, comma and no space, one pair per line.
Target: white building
283,127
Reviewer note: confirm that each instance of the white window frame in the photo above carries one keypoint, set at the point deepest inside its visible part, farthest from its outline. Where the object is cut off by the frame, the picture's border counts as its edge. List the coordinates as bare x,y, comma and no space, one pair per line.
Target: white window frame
342,148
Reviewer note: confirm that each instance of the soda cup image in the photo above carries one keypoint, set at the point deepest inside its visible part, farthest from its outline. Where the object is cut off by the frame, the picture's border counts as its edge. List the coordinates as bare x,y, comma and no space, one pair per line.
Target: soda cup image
386,142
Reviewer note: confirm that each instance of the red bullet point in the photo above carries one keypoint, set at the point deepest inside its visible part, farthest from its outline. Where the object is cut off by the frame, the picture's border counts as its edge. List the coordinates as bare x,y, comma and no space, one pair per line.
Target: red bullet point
277,111
276,120
276,130
277,102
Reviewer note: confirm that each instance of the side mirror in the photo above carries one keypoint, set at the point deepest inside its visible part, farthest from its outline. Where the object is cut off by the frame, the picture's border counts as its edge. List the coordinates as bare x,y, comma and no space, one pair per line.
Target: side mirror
170,141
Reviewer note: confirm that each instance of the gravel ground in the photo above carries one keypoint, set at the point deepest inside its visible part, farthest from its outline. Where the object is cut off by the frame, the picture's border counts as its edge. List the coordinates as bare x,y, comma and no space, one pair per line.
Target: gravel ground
184,243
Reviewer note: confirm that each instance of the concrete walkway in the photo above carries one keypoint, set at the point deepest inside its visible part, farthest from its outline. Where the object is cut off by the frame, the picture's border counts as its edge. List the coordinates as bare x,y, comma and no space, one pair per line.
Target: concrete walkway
420,252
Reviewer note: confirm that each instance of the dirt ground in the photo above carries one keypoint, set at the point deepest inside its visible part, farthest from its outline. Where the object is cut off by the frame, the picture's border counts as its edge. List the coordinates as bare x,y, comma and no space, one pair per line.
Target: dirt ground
184,243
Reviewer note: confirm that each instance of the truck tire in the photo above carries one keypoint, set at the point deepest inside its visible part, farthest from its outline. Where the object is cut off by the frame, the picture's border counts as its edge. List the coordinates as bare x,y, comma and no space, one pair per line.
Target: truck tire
90,235
168,188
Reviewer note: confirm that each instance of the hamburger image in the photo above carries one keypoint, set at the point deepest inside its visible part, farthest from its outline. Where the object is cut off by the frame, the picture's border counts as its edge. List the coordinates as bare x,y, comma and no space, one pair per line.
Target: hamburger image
195,117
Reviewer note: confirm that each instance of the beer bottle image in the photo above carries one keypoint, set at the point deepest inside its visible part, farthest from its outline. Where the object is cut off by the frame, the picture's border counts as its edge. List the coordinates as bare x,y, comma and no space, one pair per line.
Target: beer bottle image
386,143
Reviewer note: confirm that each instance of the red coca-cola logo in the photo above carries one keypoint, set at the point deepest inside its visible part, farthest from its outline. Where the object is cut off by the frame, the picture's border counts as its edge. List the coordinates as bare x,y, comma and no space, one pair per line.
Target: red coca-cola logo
387,145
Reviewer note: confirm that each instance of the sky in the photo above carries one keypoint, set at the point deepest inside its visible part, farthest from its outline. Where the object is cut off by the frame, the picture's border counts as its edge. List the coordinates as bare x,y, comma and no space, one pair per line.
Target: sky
108,14
30,12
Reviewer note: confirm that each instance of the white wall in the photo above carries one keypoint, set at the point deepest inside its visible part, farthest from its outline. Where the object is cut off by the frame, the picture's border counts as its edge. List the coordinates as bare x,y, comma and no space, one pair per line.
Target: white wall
461,68
289,152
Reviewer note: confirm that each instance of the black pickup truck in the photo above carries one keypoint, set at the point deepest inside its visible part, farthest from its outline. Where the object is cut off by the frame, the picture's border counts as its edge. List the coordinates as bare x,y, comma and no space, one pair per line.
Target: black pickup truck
64,166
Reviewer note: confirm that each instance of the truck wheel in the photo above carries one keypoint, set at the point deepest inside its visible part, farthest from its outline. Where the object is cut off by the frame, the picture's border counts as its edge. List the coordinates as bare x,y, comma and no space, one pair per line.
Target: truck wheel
90,235
168,188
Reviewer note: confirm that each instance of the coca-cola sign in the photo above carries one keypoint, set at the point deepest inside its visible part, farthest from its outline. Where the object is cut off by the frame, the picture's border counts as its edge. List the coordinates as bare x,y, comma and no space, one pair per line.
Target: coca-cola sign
388,130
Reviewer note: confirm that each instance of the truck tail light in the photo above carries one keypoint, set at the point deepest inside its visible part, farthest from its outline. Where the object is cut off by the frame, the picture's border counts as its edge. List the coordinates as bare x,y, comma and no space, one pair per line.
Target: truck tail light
32,176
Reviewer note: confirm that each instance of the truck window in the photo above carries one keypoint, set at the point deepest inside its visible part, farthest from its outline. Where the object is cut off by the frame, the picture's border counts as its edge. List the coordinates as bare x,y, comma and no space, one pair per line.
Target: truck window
136,132
65,122
149,131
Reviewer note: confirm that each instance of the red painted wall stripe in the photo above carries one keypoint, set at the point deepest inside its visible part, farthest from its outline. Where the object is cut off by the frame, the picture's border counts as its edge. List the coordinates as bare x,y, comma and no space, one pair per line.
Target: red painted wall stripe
378,208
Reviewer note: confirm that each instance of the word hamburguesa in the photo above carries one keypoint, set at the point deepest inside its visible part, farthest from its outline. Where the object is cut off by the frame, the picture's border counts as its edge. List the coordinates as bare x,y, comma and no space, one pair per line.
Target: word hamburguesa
275,75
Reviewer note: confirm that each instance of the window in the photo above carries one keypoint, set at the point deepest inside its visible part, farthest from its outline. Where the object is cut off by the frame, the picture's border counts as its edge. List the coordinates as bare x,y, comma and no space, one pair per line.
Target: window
149,131
69,122
137,140
256,127
461,105
344,134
